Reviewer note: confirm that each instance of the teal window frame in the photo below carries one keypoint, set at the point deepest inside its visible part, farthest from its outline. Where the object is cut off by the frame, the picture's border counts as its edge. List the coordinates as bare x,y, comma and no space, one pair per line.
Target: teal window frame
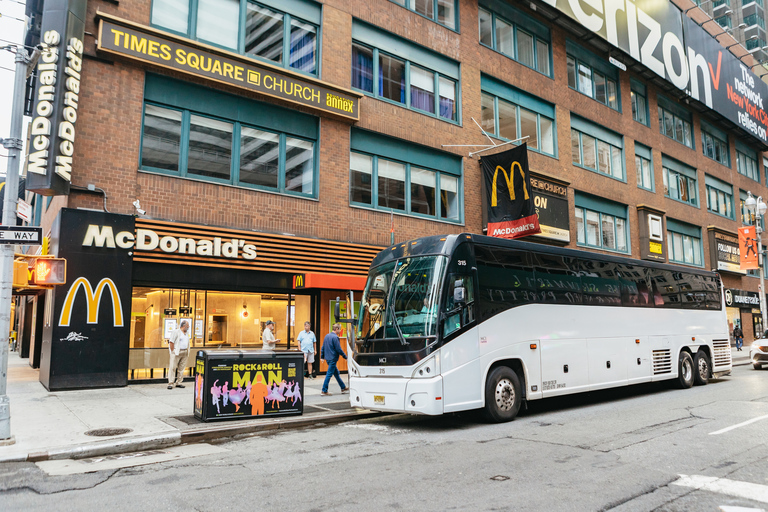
639,97
582,127
683,174
719,193
746,162
539,32
455,28
604,209
644,154
719,139
279,6
581,57
686,232
666,107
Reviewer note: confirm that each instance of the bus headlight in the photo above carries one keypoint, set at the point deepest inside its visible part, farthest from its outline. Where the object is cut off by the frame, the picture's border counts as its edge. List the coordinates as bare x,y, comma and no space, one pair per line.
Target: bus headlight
427,369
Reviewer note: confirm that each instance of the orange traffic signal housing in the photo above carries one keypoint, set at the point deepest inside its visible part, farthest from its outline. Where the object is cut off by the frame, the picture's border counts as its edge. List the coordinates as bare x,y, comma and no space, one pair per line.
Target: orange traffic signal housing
20,274
50,271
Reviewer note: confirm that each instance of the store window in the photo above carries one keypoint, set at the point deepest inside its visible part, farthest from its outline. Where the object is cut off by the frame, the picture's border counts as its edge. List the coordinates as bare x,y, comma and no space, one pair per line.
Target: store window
525,40
592,76
217,319
719,196
392,175
675,122
601,224
680,181
427,82
511,114
714,144
644,167
684,243
746,161
189,140
284,33
444,12
639,99
597,149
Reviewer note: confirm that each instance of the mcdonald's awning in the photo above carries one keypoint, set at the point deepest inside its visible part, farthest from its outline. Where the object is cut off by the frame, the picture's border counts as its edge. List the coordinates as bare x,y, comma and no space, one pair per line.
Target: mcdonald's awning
329,281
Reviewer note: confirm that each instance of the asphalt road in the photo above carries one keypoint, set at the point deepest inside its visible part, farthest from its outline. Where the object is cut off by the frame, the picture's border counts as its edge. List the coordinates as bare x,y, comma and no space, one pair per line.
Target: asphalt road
646,447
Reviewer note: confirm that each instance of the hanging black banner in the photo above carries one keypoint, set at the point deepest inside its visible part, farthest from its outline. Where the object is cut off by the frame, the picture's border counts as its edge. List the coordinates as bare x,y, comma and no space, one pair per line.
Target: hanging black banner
511,212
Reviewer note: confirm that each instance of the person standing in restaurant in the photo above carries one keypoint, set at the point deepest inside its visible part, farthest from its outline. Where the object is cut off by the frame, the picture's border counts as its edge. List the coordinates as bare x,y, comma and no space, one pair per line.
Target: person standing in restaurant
331,351
178,347
268,337
307,342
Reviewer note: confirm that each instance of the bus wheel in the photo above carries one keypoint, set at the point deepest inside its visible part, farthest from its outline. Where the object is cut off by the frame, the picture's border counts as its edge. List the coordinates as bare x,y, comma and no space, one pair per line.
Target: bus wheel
701,368
502,395
685,370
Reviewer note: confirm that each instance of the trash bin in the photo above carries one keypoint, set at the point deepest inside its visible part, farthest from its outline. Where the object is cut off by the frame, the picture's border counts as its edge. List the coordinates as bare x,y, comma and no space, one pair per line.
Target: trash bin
245,384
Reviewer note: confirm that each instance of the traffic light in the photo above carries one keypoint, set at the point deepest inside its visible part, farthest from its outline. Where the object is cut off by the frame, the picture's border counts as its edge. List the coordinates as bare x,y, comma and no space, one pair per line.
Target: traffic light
50,271
20,274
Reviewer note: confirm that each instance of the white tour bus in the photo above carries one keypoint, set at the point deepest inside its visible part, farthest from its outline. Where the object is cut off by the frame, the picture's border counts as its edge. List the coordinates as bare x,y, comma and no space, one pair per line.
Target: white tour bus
467,321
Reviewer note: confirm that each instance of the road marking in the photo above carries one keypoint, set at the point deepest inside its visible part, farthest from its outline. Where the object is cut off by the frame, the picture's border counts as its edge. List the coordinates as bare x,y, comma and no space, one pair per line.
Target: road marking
746,490
126,460
728,508
738,425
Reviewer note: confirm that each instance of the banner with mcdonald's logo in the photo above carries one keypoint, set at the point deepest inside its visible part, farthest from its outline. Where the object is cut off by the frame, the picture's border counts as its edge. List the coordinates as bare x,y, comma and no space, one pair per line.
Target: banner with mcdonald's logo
509,199
748,248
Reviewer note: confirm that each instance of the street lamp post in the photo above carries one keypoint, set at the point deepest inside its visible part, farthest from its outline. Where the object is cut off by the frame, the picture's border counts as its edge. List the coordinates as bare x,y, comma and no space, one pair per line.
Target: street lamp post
758,208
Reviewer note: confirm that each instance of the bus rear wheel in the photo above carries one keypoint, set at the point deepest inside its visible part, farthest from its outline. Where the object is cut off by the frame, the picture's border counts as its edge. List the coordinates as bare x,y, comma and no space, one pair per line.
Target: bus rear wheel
701,368
503,395
684,370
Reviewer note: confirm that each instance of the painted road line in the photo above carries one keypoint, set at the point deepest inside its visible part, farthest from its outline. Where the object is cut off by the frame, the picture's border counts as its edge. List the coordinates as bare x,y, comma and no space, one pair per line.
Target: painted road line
126,460
728,508
746,490
738,425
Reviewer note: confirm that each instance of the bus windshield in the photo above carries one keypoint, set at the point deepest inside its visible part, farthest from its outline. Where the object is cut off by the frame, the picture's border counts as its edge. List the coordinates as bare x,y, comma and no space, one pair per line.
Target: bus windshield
400,301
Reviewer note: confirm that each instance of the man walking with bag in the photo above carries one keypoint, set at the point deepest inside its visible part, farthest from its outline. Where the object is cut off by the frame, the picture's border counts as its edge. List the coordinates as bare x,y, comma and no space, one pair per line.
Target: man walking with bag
330,352
178,347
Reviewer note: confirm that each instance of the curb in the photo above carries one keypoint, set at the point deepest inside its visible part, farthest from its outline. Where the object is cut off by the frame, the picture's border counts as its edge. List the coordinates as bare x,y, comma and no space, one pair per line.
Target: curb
195,435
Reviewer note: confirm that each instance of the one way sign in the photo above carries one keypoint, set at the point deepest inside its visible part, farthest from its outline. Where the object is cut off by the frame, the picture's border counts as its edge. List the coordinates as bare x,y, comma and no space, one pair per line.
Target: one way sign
21,235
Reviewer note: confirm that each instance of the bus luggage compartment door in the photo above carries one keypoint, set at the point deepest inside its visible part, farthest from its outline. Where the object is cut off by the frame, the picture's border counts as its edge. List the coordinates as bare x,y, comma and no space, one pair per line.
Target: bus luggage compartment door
564,366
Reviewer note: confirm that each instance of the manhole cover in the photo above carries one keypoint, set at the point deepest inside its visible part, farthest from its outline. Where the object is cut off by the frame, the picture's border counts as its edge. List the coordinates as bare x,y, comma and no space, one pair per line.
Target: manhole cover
106,432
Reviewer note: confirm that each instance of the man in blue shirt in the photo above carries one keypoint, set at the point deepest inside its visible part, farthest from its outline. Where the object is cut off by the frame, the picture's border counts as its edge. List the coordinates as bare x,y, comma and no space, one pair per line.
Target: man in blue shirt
307,344
330,352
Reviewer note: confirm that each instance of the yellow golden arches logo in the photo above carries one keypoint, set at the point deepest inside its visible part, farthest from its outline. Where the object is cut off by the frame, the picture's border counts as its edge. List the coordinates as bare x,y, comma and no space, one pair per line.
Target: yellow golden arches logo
93,298
510,179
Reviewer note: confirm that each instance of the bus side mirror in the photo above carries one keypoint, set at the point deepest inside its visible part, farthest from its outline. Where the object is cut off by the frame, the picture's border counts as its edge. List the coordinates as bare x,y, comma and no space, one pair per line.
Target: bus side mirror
459,294
337,310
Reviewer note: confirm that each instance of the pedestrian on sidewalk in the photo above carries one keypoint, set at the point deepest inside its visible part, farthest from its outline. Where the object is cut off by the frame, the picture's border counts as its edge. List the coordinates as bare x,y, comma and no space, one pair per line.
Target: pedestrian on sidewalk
178,348
268,336
331,351
739,337
307,342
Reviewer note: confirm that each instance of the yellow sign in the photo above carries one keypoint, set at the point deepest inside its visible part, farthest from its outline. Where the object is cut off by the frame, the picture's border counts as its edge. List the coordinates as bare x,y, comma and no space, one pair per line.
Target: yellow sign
93,303
510,179
655,247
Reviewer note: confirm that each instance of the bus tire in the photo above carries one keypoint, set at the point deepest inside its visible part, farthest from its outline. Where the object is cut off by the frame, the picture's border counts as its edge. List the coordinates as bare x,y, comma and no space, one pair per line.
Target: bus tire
701,368
684,370
503,395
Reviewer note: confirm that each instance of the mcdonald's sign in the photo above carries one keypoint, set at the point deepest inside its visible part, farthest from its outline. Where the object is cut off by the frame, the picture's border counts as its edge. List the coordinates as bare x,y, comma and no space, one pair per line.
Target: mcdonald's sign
511,213
93,301
299,281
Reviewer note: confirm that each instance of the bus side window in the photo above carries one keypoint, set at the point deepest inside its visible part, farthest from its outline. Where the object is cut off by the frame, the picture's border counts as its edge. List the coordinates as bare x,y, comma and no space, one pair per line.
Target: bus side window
460,313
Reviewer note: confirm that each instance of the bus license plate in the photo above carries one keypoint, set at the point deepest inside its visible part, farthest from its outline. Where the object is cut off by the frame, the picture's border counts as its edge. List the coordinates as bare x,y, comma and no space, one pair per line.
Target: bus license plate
378,399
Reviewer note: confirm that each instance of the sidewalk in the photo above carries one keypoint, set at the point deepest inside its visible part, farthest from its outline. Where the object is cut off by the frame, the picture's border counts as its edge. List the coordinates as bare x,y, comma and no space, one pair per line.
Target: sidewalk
53,425
740,358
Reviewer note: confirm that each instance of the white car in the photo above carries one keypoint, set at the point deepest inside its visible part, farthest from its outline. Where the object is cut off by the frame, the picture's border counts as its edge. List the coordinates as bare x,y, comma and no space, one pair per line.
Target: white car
758,353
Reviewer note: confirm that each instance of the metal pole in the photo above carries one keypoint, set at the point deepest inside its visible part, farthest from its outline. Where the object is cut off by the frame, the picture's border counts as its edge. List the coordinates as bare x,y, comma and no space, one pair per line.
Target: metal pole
13,144
761,269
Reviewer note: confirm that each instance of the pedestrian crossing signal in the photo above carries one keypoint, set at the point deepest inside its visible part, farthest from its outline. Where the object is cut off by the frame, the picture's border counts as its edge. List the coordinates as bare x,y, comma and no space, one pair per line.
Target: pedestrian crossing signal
50,271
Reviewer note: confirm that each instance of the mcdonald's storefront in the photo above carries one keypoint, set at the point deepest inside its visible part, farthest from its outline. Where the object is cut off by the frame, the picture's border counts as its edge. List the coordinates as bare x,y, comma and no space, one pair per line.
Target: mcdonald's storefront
131,281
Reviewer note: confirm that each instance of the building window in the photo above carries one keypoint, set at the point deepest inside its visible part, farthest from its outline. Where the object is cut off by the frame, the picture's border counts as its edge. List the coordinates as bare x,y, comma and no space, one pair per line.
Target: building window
507,120
725,21
676,126
746,163
525,40
401,81
765,169
442,11
719,197
714,144
683,245
644,167
679,182
428,184
279,156
592,76
639,102
601,226
283,38
596,149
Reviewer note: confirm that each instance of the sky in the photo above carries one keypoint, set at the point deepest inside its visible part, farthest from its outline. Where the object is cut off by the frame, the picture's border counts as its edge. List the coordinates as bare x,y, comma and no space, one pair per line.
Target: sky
11,30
